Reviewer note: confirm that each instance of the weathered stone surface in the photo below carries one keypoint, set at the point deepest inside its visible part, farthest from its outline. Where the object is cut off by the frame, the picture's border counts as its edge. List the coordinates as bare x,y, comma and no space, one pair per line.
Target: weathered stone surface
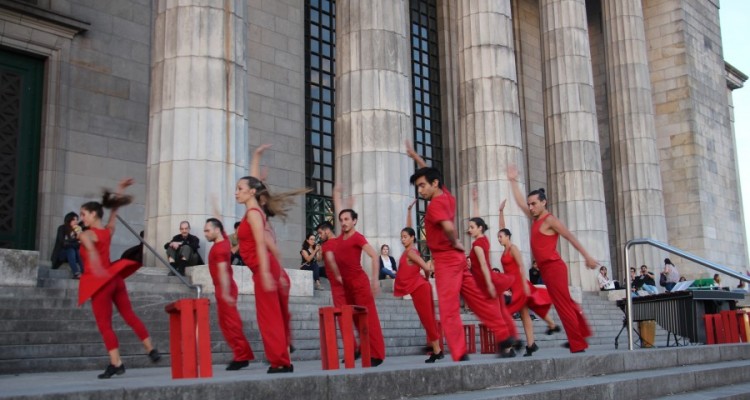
18,267
301,281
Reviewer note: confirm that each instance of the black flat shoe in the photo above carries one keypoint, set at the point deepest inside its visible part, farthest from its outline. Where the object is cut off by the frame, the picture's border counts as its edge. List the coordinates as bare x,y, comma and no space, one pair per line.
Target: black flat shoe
112,370
565,345
508,354
556,329
464,357
434,357
357,354
506,344
237,365
280,370
374,362
154,355
292,349
517,345
530,350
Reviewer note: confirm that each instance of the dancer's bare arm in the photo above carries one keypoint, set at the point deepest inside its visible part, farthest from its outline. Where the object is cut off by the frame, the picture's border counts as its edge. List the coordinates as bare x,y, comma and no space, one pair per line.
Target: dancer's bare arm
450,232
408,213
121,186
556,225
330,261
519,261
421,163
375,269
255,163
513,178
414,258
501,218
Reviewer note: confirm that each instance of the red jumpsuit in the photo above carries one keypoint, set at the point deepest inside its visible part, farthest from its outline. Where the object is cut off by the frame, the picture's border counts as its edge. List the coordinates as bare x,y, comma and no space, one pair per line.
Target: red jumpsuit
271,307
555,276
410,281
538,299
337,289
229,318
452,278
357,287
108,289
502,282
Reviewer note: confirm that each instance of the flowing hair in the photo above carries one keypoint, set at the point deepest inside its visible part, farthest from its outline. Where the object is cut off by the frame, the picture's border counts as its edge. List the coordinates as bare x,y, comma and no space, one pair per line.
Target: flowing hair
273,204
110,200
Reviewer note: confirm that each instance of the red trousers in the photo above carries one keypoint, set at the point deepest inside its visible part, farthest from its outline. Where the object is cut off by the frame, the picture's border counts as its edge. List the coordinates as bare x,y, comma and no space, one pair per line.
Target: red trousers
337,291
231,327
555,277
101,304
453,279
425,306
503,282
272,312
358,292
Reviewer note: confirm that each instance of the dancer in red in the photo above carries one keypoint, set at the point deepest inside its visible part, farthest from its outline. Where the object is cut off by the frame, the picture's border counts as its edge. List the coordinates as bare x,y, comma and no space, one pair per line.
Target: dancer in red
360,290
271,282
104,282
409,281
220,268
525,295
544,234
328,251
452,277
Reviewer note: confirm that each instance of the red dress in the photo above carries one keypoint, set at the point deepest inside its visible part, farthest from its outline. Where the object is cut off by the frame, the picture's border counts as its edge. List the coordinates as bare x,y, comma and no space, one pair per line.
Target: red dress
408,276
538,299
91,283
410,281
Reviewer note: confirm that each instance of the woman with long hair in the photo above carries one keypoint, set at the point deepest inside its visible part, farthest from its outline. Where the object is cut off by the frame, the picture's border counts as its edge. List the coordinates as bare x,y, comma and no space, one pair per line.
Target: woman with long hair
310,253
67,246
524,295
409,281
104,282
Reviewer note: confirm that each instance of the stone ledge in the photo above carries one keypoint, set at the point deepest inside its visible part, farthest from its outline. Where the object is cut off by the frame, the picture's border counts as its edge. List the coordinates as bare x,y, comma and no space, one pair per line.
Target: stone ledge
301,281
19,267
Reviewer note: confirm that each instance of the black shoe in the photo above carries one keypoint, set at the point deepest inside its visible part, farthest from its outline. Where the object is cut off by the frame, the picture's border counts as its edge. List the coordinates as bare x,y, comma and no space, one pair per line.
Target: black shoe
236,365
506,344
566,345
517,316
533,317
434,357
292,349
280,370
518,345
154,355
550,331
464,357
530,350
357,354
374,362
112,370
508,354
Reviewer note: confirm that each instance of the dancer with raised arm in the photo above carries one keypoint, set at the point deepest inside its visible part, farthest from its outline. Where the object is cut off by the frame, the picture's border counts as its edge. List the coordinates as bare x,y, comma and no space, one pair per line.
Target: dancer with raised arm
452,278
409,281
545,232
220,268
493,284
104,282
525,295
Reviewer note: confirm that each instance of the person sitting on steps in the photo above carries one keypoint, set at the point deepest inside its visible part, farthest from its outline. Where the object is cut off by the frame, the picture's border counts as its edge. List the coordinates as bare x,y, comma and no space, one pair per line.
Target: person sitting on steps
182,250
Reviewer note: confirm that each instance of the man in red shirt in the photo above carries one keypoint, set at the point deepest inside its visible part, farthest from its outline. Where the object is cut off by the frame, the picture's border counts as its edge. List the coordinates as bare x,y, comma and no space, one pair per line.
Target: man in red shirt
452,277
220,267
360,290
328,249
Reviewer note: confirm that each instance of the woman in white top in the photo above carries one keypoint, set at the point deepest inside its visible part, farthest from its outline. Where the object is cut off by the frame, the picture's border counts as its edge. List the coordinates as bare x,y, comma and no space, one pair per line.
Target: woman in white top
604,282
387,263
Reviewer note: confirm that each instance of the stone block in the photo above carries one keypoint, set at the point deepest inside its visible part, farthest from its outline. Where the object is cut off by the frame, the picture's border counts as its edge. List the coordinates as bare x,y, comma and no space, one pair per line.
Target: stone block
301,281
18,267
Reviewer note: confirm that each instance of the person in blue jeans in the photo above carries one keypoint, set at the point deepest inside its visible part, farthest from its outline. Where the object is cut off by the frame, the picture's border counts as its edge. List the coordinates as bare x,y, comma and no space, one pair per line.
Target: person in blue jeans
388,265
67,246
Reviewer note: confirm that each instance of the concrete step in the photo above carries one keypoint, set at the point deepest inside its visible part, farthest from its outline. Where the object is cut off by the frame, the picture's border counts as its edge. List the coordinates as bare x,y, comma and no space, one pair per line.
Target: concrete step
739,391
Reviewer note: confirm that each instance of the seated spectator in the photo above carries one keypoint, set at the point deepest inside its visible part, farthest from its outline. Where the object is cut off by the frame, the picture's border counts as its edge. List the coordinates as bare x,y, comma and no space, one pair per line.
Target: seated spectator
673,276
236,259
604,282
134,253
535,277
717,280
682,279
387,263
742,287
182,250
67,246
310,251
632,282
645,283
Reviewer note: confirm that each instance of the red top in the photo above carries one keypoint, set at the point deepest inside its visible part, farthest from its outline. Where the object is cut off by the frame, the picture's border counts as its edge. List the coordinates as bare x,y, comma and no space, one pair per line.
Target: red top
476,268
510,267
329,245
543,247
441,208
221,252
246,240
408,276
349,254
91,283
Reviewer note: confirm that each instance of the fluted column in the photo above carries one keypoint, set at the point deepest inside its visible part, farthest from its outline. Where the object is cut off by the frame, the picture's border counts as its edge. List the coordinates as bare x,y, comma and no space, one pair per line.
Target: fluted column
373,114
489,118
576,190
639,201
198,145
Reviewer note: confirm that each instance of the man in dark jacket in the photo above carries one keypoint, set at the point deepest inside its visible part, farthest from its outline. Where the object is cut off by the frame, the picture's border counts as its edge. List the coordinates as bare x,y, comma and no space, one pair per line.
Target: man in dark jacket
182,250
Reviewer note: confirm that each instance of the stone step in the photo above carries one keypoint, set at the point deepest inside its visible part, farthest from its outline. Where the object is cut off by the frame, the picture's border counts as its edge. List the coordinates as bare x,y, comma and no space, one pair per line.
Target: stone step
739,391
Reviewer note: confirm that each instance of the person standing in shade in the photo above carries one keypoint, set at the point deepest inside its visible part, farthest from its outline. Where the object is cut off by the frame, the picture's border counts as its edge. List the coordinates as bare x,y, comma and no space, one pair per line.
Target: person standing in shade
409,281
452,277
534,276
104,282
545,232
220,268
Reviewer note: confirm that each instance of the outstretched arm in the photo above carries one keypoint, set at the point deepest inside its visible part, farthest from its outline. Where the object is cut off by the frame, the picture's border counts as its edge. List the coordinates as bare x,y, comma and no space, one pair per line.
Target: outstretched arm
560,228
414,156
474,212
513,177
124,183
255,163
501,221
408,213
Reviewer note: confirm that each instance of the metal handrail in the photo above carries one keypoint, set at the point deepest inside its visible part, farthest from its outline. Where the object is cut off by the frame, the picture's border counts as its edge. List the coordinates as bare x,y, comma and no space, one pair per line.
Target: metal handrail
673,250
198,288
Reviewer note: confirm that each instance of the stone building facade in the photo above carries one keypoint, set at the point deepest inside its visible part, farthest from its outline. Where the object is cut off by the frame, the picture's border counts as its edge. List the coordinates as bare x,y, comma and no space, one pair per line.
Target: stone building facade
620,109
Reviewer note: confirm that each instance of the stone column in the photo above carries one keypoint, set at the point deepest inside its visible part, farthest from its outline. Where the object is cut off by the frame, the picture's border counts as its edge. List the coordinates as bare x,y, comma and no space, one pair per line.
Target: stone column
373,114
639,201
576,190
198,145
489,118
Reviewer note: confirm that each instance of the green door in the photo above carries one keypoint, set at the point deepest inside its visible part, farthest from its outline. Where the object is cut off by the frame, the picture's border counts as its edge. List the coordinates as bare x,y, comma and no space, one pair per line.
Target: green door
20,125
